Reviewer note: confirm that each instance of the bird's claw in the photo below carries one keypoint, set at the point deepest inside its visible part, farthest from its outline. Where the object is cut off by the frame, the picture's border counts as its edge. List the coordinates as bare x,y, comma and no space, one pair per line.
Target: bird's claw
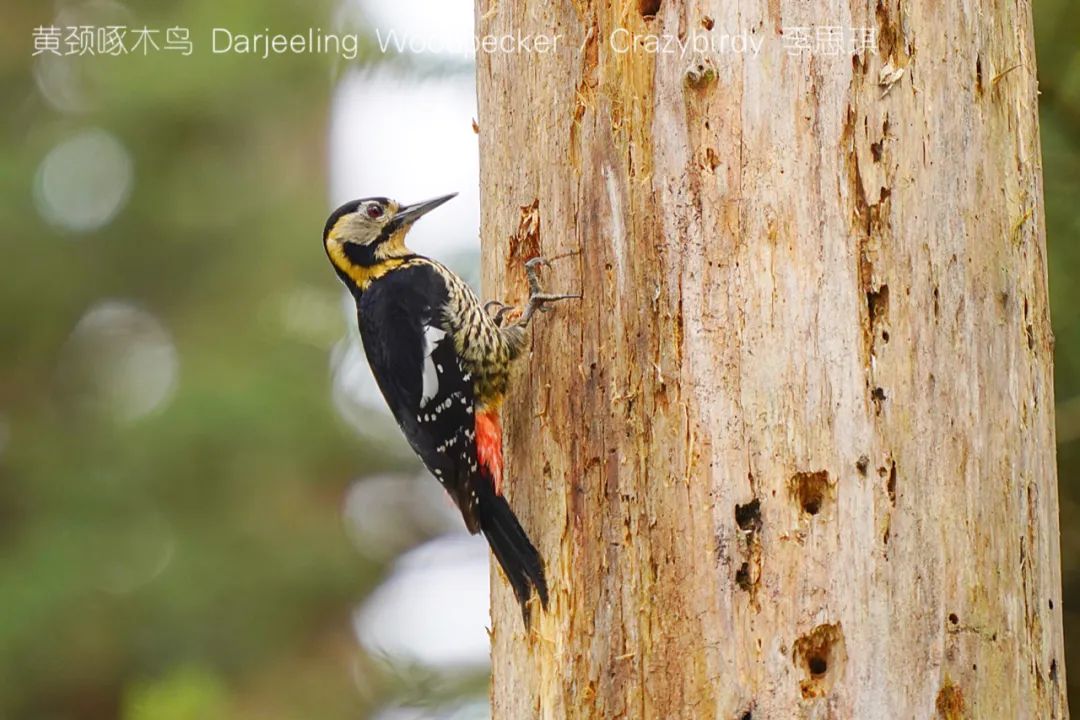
532,274
501,310
538,299
538,261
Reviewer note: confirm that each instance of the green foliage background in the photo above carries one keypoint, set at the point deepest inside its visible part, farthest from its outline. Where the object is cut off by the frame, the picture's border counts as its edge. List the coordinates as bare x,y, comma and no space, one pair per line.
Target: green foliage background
248,465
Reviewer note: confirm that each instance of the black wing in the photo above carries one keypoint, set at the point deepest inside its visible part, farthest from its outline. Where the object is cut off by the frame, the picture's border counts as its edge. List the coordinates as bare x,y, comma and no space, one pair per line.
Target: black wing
412,354
413,358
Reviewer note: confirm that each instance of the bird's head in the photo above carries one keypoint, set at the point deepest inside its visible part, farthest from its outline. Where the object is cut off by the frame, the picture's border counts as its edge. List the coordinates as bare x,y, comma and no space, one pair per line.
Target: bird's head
364,233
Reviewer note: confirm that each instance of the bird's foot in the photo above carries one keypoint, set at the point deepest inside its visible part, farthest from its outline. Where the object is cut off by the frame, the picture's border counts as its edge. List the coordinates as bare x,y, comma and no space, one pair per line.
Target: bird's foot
501,311
538,299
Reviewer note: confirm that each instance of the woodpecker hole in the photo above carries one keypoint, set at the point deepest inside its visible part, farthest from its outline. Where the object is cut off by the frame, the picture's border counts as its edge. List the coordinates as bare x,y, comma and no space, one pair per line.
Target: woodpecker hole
821,656
748,516
875,151
978,75
742,577
811,489
707,23
890,484
877,302
862,464
953,618
878,397
649,8
747,716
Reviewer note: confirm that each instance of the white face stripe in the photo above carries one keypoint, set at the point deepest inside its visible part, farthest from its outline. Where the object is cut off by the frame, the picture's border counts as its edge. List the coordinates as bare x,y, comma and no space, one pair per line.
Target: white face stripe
432,336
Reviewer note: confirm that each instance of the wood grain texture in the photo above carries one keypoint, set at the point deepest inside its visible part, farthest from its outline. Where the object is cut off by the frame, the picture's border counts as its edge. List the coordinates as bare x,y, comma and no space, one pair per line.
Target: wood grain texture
792,456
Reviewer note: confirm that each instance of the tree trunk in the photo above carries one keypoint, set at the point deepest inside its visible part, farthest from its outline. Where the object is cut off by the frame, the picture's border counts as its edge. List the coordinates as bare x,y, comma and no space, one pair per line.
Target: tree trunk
792,456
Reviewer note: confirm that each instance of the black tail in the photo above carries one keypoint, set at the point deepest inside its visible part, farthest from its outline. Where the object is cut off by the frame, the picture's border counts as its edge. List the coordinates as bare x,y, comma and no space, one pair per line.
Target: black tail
519,559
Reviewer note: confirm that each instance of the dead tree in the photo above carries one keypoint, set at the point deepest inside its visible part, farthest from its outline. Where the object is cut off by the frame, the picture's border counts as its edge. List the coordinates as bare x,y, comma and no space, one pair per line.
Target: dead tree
792,456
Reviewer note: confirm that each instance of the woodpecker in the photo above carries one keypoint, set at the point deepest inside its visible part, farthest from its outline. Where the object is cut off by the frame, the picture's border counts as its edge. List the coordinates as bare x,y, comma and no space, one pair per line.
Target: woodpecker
442,362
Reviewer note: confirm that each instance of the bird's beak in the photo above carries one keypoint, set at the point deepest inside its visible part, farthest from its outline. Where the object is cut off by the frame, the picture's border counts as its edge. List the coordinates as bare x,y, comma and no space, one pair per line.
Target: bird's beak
411,213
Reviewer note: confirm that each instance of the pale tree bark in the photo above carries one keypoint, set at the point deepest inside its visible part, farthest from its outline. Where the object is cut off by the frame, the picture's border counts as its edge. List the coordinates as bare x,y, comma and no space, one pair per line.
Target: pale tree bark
792,456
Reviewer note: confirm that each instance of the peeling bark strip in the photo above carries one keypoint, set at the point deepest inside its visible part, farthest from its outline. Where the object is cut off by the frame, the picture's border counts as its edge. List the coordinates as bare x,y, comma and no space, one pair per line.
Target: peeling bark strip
792,455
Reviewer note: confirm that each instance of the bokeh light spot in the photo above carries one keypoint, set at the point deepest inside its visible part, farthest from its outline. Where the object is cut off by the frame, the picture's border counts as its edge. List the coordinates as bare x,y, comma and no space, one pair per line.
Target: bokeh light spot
387,514
120,360
84,181
434,609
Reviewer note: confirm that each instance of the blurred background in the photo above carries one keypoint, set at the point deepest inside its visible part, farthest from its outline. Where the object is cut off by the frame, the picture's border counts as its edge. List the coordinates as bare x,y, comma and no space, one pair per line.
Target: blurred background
205,512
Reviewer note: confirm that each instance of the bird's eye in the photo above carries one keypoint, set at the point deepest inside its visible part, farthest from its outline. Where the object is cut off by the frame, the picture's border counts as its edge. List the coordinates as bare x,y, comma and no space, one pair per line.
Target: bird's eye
374,212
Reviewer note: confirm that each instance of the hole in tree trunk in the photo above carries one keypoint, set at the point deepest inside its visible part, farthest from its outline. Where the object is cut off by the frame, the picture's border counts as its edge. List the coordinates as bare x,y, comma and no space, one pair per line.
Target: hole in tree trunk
811,489
821,656
649,8
748,516
742,577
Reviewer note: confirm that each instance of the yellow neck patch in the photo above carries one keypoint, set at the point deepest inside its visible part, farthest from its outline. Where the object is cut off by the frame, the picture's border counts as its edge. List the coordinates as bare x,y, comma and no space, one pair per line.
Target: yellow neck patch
386,256
362,275
394,246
